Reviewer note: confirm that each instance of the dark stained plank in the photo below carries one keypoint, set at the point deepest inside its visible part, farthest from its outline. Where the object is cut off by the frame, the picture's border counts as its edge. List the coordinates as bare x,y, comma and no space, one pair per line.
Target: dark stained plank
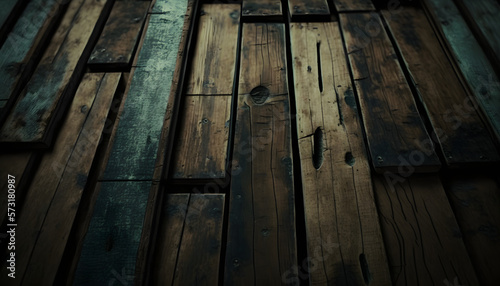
340,213
469,56
9,15
135,145
205,128
475,198
49,176
308,10
261,244
199,253
71,186
42,103
461,133
353,5
396,135
116,45
214,61
261,9
424,243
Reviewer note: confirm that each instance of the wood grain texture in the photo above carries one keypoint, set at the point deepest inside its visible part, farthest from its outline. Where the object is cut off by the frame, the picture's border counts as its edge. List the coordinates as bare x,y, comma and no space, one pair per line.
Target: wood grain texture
425,246
341,216
308,10
48,178
472,62
214,61
396,135
116,45
475,199
353,5
261,9
44,100
201,150
261,244
462,135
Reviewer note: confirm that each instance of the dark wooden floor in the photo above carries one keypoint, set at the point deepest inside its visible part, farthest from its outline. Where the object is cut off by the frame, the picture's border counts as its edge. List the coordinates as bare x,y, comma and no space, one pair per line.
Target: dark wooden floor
254,142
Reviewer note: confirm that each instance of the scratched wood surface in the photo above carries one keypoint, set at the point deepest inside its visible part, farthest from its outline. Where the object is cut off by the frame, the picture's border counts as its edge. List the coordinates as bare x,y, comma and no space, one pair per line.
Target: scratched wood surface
308,10
343,232
261,9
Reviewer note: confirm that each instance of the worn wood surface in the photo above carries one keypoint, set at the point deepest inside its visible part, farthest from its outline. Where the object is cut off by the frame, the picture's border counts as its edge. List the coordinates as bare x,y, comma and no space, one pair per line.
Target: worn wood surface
353,5
116,45
396,135
203,135
308,10
261,9
462,135
475,199
340,213
44,100
9,15
471,60
261,244
423,239
53,166
214,60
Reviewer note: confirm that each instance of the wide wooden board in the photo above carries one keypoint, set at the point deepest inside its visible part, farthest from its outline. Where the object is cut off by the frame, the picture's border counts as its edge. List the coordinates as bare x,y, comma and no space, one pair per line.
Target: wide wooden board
214,61
353,5
261,9
344,239
397,138
203,135
458,128
308,10
261,244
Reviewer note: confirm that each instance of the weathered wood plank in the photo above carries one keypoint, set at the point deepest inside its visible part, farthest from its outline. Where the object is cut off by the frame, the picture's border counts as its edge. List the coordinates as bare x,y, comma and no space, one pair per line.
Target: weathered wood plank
9,15
424,243
48,177
308,10
42,271
172,220
116,45
341,217
44,100
261,9
199,252
214,61
467,53
353,5
460,132
261,246
475,199
205,128
396,135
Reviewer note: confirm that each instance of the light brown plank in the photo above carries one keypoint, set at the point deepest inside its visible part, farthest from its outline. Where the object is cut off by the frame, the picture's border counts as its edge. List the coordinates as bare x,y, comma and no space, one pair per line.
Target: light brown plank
201,150
461,133
341,217
261,9
397,138
213,63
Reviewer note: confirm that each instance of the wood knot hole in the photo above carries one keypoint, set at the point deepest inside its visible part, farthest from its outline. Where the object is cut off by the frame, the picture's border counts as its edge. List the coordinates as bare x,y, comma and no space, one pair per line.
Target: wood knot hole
259,94
318,148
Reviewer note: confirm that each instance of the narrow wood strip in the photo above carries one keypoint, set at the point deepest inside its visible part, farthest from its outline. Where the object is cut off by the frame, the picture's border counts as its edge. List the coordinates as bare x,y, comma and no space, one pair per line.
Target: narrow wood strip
424,243
308,10
116,45
261,247
204,129
214,60
396,135
261,9
341,217
462,135
353,5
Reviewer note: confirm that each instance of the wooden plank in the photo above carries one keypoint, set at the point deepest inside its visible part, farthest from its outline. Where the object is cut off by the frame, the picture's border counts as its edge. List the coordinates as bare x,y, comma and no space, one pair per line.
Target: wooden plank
475,199
172,220
261,244
353,5
396,135
70,188
341,217
39,198
214,60
9,14
462,135
44,100
205,128
110,248
135,145
199,253
261,9
116,45
469,56
308,10
424,242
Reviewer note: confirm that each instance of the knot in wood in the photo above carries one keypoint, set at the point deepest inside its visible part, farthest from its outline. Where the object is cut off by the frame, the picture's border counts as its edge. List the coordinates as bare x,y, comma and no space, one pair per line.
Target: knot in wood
259,94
